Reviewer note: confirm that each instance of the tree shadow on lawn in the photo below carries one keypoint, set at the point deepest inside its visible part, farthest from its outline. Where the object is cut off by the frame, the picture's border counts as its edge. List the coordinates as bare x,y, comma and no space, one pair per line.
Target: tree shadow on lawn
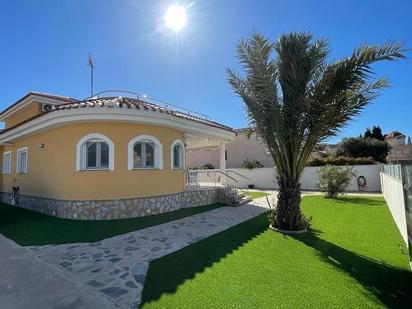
392,286
360,200
168,272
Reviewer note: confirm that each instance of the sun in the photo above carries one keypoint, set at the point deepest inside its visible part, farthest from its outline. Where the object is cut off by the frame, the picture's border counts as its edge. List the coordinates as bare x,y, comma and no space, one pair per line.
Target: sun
175,17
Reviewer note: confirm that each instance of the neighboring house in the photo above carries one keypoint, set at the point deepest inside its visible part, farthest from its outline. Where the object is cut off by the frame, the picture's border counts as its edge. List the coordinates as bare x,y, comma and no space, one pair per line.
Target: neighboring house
401,148
109,157
240,149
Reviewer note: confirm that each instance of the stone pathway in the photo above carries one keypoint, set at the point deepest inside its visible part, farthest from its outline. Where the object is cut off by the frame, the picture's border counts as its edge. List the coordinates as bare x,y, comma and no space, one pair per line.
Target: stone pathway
28,282
116,267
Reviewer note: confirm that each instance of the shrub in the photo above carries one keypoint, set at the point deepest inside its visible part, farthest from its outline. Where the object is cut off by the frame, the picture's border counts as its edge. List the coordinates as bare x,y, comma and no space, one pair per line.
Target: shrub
208,166
340,161
333,180
360,147
251,164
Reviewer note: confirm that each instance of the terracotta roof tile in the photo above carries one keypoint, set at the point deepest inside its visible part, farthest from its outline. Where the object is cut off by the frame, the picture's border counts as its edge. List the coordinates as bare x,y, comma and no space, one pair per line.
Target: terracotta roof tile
121,102
393,134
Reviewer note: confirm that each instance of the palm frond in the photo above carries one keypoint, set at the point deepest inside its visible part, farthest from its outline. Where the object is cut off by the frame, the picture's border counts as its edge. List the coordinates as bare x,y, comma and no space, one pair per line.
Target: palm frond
294,99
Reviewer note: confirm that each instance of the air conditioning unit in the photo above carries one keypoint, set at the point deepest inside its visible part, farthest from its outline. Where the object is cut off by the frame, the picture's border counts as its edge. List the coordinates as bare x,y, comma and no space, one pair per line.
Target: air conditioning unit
46,107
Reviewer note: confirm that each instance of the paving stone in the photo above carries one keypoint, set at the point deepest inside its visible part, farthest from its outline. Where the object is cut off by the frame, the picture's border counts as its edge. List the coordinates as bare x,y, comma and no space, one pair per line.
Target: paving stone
139,269
115,272
114,260
130,284
114,291
85,268
139,278
95,284
131,248
65,264
124,276
94,244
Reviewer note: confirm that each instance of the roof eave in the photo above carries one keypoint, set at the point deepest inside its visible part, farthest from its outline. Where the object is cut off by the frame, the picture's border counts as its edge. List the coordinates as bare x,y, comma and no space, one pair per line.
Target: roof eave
30,97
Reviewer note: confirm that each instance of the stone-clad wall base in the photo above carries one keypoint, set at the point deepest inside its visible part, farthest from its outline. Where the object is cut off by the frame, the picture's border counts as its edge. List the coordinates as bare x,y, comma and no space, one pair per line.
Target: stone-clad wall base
120,209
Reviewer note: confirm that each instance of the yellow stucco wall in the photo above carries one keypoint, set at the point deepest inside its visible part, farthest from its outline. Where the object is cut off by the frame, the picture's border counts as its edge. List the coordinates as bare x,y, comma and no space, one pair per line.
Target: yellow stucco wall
26,112
52,169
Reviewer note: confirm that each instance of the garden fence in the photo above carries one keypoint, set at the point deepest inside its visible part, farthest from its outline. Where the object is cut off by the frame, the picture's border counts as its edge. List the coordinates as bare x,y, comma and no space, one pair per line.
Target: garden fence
396,180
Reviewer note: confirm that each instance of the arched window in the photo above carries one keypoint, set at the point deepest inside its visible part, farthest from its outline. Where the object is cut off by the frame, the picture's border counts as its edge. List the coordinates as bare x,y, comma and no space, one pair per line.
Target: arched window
145,151
95,152
177,155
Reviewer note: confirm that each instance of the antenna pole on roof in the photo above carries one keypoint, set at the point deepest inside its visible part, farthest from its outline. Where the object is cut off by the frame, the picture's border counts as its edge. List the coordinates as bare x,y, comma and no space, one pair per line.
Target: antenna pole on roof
91,65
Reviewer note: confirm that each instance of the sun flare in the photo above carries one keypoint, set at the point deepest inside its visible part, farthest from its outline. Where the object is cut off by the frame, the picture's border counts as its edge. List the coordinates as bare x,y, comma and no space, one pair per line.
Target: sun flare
175,17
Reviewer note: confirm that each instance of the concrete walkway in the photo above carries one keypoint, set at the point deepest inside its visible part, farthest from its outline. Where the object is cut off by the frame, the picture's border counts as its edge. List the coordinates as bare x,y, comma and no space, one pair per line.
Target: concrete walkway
28,282
115,268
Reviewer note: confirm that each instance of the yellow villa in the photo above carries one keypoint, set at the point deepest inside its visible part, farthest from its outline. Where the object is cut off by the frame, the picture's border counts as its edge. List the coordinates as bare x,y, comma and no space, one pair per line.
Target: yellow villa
102,158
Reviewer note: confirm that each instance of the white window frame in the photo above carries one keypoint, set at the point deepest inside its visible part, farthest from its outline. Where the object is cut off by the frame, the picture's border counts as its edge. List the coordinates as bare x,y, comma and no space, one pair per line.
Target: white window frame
143,154
98,143
158,152
182,158
18,167
7,170
81,152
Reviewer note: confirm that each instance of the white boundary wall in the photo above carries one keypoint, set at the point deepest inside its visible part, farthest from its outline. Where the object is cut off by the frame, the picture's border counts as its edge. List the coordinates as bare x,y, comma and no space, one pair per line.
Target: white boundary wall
264,178
393,192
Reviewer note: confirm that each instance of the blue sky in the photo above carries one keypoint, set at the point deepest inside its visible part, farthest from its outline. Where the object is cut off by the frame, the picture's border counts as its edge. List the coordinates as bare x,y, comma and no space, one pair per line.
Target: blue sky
45,45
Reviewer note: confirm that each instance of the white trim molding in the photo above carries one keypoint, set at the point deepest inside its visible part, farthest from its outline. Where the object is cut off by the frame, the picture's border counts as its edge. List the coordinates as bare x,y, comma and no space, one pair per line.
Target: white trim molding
7,169
19,168
81,151
182,159
158,151
113,114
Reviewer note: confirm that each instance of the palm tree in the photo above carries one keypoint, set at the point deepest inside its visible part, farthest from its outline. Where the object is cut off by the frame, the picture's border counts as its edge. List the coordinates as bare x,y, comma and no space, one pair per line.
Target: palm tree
295,99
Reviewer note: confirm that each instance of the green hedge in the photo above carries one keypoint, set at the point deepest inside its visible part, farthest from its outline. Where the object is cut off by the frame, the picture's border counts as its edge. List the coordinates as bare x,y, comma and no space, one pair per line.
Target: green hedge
341,160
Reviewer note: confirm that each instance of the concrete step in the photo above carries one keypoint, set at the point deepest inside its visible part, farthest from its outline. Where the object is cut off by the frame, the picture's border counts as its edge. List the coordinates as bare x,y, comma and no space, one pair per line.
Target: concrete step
241,197
241,194
244,201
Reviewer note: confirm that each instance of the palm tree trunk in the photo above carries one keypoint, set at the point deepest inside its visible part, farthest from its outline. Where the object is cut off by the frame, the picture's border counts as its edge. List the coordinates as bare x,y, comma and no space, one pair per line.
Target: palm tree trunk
288,213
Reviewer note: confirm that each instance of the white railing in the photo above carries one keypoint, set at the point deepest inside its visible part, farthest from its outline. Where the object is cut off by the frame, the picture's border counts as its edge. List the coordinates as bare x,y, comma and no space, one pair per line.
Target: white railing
148,99
210,179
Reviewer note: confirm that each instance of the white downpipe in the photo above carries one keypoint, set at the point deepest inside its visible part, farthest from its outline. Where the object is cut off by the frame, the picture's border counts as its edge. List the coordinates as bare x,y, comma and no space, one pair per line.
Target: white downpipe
222,162
222,157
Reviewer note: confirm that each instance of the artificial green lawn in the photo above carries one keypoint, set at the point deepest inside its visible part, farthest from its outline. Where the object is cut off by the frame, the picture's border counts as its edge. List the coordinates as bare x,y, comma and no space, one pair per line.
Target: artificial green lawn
256,194
354,258
27,227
